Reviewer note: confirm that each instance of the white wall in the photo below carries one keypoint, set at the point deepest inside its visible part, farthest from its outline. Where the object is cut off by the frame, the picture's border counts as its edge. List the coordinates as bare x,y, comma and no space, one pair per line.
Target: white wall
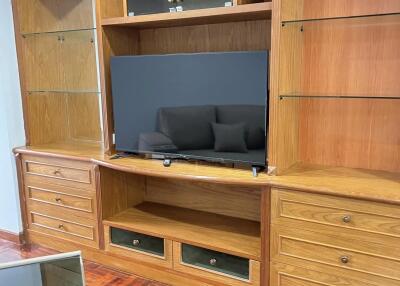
11,122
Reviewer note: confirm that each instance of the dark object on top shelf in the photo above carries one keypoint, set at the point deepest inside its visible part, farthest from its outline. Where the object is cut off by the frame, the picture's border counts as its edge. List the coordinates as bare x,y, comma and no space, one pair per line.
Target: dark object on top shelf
145,7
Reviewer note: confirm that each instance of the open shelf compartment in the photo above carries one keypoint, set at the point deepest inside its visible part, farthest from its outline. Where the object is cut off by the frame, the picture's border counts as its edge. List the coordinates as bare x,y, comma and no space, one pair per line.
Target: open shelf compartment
222,233
223,218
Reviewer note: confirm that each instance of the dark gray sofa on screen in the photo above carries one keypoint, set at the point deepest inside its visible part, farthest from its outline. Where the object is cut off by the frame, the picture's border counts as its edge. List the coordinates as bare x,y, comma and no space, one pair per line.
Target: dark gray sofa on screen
231,132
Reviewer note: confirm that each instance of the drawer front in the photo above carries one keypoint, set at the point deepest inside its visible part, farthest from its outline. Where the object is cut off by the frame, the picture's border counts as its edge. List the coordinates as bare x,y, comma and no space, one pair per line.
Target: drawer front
63,228
288,275
292,245
215,265
138,246
344,213
57,171
62,197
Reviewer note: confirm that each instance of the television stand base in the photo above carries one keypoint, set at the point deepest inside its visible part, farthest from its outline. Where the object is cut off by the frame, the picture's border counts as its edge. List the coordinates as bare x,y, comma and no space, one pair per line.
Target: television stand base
256,170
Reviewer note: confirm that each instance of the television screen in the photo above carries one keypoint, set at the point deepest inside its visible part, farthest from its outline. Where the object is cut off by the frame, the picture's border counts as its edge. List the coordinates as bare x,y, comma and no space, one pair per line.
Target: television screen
209,106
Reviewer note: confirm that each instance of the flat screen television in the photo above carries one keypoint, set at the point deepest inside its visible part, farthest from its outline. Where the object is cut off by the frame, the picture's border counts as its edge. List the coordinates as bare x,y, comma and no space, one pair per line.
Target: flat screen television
203,106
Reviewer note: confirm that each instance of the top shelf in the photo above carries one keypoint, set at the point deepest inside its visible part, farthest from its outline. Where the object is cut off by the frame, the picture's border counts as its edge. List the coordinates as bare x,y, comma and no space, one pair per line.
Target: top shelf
256,11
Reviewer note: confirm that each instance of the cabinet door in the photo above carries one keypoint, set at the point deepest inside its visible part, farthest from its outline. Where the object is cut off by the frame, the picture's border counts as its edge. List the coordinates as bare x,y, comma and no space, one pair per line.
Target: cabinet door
41,62
78,61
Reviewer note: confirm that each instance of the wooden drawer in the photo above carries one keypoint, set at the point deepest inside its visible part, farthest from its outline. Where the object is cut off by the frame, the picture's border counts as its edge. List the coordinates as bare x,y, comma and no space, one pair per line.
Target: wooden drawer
129,250
341,212
62,197
287,275
59,171
193,265
294,243
78,232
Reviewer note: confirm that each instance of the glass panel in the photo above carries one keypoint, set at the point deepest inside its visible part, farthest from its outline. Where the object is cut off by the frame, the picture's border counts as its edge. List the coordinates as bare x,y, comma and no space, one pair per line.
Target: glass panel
61,62
43,271
216,261
138,241
144,7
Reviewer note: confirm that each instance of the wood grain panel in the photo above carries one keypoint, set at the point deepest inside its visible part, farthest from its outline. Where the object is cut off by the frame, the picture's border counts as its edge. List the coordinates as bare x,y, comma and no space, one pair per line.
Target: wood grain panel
237,36
312,9
61,199
351,133
213,275
39,220
54,15
351,57
367,216
120,191
294,247
78,61
42,58
87,127
240,202
288,275
111,8
144,257
285,124
60,172
47,116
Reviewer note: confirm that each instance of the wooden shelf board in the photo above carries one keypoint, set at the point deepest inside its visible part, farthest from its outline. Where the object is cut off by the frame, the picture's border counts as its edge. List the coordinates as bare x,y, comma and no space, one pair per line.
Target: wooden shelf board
348,182
222,233
256,11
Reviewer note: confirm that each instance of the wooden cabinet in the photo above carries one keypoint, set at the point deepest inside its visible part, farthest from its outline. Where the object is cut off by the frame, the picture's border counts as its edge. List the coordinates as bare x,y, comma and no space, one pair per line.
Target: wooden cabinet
336,236
60,199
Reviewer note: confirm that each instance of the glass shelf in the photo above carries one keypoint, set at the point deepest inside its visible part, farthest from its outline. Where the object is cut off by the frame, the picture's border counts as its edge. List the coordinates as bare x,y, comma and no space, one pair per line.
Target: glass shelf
281,97
336,18
62,91
57,32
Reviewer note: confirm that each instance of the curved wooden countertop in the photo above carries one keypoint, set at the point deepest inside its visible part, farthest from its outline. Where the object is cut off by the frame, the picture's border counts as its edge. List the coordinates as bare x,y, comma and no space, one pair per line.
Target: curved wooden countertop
353,183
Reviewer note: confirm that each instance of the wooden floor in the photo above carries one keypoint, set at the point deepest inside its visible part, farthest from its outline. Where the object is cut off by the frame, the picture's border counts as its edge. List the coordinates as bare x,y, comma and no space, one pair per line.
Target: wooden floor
96,275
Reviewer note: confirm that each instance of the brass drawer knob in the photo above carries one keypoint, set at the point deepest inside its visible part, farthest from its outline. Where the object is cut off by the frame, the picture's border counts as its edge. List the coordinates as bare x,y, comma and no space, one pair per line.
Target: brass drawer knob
213,261
346,219
136,242
61,226
58,200
344,259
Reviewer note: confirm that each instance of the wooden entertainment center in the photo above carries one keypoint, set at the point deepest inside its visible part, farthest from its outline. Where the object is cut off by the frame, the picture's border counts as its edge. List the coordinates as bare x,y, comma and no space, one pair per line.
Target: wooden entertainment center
328,213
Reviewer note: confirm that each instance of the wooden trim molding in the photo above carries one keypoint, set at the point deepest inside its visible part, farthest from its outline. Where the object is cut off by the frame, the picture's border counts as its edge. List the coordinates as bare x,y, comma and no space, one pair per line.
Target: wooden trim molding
17,238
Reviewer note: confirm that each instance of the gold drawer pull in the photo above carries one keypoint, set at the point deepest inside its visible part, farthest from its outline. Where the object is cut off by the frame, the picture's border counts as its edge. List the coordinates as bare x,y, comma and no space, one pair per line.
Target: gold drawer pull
59,200
136,242
344,259
346,218
61,226
213,261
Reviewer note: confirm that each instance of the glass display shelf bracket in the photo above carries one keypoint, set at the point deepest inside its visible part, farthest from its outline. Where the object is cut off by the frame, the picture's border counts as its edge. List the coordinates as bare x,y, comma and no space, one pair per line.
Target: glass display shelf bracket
285,22
298,96
57,32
